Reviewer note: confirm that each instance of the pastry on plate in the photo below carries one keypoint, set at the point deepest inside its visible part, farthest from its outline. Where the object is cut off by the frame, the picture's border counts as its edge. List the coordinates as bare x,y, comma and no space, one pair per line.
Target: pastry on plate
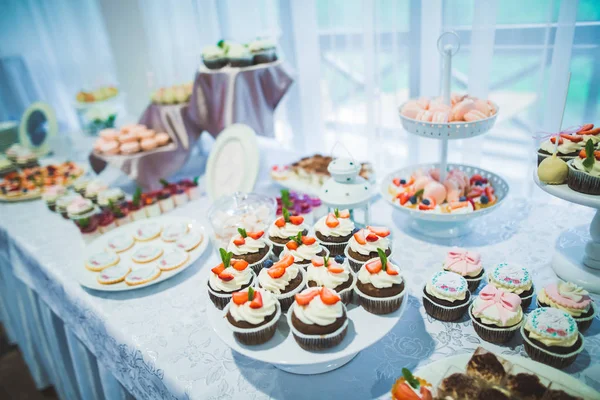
190,240
569,297
120,243
114,274
496,314
228,277
380,287
363,245
252,315
467,264
515,279
303,249
142,275
173,259
285,227
553,171
102,260
173,231
332,273
146,253
284,279
486,366
409,387
584,171
334,230
251,247
147,231
446,296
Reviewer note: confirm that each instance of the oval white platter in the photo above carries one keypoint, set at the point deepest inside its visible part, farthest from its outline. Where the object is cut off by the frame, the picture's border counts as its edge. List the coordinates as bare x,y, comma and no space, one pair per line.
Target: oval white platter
87,278
282,351
435,371
501,189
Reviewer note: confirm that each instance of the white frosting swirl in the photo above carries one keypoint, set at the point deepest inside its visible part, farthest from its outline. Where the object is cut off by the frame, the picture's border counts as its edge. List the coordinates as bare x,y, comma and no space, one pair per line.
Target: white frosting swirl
250,246
365,249
240,278
578,165
381,279
286,231
213,52
345,227
572,291
566,147
251,315
318,313
323,277
304,252
277,285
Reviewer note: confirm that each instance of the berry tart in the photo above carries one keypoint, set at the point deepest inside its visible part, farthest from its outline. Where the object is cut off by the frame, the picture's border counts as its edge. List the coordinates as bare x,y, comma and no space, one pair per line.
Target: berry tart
115,195
467,264
165,201
228,277
363,245
334,230
106,221
380,288
496,315
304,248
284,279
409,387
285,227
446,296
136,206
333,274
252,315
551,337
120,213
191,188
93,189
63,202
80,208
151,206
318,319
515,279
584,171
570,298
250,247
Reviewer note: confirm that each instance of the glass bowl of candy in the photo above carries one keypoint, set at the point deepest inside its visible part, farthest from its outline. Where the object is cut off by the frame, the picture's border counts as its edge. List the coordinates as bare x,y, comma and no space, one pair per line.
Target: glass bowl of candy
310,207
250,211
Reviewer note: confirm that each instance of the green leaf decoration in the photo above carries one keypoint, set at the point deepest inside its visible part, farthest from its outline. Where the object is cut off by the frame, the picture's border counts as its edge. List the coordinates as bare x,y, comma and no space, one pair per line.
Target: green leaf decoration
420,193
336,212
242,232
164,182
410,379
250,294
286,214
383,258
285,198
116,210
589,161
137,196
221,43
325,261
84,222
225,257
196,180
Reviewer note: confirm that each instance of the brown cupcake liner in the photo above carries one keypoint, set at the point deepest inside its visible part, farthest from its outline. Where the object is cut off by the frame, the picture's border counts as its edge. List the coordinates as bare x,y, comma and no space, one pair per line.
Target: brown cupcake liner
497,335
317,342
255,336
582,182
526,301
445,313
287,299
544,356
220,300
335,249
473,283
583,323
380,305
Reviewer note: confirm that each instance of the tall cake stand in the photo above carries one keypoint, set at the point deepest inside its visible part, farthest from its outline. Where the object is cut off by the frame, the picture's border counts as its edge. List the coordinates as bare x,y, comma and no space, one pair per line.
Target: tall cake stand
578,262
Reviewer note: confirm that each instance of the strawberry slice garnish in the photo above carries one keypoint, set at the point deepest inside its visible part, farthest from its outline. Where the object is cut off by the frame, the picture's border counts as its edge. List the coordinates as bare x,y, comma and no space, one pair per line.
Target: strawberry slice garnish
343,214
583,154
276,272
280,222
360,237
475,191
308,240
553,140
256,235
226,276
430,206
475,178
403,197
404,392
586,127
335,268
590,132
296,219
257,300
332,220
285,261
373,265
458,204
291,245
396,182
380,231
240,298
218,269
391,270
318,261
371,237
425,393
239,241
572,138
328,296
239,265
306,296
489,192
409,182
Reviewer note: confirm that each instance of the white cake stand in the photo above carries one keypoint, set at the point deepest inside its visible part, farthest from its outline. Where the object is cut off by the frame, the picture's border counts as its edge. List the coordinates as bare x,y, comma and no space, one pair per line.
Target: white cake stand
580,262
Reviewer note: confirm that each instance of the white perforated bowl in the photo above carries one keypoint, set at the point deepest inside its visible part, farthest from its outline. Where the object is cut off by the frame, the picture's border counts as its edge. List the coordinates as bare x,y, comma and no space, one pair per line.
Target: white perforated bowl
449,130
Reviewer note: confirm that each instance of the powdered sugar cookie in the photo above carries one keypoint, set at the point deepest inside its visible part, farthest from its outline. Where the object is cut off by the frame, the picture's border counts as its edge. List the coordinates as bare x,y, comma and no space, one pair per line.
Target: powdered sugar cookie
120,243
190,241
147,231
99,261
173,259
174,231
112,275
147,253
143,275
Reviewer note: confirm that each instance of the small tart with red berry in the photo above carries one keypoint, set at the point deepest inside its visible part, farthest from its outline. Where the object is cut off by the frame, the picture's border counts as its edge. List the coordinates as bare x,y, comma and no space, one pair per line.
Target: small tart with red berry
333,274
364,244
249,246
252,315
285,227
304,248
229,276
380,287
409,387
318,319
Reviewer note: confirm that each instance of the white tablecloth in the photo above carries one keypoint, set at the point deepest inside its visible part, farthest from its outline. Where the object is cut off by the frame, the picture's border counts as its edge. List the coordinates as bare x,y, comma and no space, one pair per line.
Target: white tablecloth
158,343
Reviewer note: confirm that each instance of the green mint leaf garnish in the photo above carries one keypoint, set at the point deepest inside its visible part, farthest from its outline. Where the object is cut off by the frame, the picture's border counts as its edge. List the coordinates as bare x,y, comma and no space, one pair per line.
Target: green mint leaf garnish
337,213
225,257
137,196
299,238
286,214
410,379
589,161
420,193
383,258
84,222
325,261
250,294
221,43
196,181
285,198
243,232
164,182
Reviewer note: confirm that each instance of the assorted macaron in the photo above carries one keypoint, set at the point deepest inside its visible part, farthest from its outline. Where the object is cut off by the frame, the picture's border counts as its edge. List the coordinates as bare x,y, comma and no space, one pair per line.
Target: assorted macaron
130,139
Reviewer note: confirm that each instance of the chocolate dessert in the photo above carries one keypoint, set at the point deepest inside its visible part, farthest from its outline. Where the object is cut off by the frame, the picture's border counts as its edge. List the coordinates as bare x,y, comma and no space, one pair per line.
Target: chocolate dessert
370,290
332,239
318,329
363,258
253,258
293,284
459,386
560,395
247,325
493,394
487,367
526,386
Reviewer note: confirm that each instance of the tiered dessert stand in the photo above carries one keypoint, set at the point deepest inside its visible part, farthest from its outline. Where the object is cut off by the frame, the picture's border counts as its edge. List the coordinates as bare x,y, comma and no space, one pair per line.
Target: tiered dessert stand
446,225
575,260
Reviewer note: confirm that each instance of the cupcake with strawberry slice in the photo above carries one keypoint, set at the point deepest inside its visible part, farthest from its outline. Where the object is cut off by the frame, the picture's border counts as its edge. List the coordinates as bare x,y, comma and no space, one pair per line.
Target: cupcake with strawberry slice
380,288
250,247
318,319
304,248
284,228
409,387
332,273
568,147
284,279
363,245
584,170
334,230
228,277
252,315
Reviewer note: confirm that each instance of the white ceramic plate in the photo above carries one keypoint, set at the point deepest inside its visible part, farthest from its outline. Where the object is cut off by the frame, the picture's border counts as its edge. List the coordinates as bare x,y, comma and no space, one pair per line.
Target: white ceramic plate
88,278
566,193
233,162
364,330
435,371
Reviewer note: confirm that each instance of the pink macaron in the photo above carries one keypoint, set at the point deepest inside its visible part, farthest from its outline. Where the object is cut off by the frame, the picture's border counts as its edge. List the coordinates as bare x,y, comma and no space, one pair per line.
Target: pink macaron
130,127
162,138
130,148
98,144
145,134
110,147
109,134
128,137
148,144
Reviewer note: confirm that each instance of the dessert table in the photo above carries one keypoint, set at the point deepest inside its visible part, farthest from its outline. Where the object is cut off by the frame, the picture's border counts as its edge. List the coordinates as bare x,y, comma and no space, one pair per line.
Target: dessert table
156,342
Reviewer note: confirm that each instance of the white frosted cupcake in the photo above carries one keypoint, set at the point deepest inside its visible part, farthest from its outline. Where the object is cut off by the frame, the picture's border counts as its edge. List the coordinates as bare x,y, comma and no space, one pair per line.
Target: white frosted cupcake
239,55
363,245
285,227
303,249
334,230
513,278
252,315
570,298
327,272
446,296
380,287
251,247
284,279
228,277
496,315
214,57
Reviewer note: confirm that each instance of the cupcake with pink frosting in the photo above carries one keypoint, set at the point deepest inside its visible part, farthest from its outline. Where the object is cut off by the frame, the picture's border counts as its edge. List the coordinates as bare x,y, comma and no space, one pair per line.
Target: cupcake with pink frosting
467,264
570,298
496,315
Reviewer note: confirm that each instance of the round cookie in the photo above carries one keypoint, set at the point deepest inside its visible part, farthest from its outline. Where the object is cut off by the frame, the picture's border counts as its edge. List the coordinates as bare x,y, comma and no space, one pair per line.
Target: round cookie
173,259
120,243
147,231
114,274
189,241
143,275
99,261
146,254
174,231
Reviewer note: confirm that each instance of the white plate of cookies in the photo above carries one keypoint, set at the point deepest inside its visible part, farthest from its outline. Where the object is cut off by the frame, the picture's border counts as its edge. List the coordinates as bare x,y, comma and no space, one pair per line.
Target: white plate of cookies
142,253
